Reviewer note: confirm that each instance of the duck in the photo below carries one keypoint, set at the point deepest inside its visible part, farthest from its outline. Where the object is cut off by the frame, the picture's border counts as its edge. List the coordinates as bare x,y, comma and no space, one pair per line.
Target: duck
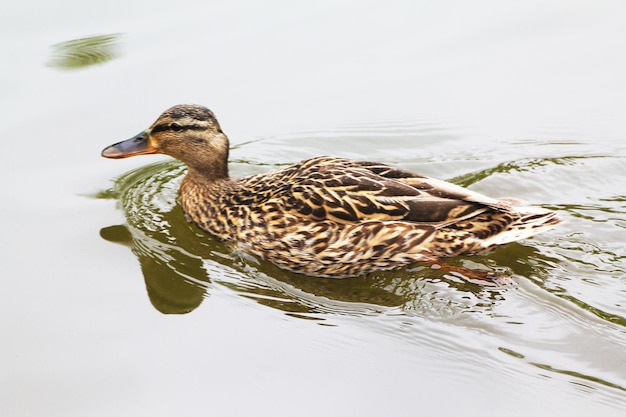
328,216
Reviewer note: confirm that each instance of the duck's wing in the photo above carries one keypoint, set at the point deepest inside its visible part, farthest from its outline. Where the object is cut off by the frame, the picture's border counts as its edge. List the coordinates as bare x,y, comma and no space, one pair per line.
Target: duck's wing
436,187
349,191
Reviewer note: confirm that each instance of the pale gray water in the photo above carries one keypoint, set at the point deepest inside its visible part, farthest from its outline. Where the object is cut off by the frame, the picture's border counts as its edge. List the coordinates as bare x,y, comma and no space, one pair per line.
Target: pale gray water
507,98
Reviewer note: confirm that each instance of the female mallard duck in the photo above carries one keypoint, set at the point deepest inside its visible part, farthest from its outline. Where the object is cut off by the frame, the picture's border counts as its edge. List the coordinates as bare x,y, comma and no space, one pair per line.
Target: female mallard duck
328,216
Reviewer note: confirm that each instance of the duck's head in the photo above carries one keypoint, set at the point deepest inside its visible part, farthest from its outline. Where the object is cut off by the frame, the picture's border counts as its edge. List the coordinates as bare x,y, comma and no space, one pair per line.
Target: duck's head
187,132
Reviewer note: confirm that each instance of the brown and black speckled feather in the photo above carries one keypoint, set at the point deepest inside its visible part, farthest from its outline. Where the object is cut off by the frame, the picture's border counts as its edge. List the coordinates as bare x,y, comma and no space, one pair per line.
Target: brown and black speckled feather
335,217
330,216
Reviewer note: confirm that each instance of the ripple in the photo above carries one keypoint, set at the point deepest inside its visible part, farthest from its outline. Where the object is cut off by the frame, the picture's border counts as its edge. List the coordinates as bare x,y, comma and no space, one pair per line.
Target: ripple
85,52
565,295
160,235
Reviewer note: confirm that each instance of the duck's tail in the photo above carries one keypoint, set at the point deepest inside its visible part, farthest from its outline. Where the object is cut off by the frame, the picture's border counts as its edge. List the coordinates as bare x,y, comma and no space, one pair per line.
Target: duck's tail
533,220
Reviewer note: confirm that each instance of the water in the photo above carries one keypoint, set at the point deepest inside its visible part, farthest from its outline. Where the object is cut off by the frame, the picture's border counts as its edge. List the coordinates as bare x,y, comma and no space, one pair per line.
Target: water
115,305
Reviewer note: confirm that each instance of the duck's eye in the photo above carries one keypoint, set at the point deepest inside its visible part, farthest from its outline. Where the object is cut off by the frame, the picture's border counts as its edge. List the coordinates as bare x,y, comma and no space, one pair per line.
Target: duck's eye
176,127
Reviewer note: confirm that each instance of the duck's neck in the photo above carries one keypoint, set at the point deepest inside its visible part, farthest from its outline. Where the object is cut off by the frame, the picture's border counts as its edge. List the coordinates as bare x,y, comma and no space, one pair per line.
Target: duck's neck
208,173
201,197
206,180
208,162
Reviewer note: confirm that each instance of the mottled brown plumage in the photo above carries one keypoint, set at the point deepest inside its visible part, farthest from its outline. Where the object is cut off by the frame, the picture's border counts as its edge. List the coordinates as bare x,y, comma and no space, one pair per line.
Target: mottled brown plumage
328,216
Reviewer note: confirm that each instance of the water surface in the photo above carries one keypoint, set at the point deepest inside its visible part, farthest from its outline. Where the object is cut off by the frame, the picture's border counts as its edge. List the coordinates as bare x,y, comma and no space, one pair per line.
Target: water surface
115,305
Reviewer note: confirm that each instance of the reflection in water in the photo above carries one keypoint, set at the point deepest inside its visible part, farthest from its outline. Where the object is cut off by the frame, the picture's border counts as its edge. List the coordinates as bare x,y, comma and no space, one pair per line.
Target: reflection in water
169,271
593,251
84,52
521,165
179,263
169,291
556,281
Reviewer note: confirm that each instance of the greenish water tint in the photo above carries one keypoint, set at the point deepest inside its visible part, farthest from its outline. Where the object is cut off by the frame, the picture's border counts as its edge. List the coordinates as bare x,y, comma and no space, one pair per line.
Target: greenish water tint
85,52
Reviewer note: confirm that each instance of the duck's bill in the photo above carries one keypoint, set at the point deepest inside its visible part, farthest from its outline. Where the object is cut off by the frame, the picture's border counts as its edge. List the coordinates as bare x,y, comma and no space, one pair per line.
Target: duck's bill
137,145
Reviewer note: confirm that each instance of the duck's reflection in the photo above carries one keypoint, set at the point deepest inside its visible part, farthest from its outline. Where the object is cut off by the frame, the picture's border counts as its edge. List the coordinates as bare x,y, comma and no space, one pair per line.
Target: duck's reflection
168,290
180,264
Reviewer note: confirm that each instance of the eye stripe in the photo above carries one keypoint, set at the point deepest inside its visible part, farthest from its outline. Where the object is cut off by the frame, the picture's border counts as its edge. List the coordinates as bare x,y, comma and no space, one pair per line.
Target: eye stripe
160,128
166,126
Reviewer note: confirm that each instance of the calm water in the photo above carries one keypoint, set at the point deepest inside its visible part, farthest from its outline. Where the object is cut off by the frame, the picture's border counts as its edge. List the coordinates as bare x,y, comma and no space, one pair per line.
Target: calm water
113,305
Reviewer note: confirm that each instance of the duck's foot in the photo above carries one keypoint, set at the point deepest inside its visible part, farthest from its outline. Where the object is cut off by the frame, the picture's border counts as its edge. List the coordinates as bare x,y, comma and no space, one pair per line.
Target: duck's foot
481,276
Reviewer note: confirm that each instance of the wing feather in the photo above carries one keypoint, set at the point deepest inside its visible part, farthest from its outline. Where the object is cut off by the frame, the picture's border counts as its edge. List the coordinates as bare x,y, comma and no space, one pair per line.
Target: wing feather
348,191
